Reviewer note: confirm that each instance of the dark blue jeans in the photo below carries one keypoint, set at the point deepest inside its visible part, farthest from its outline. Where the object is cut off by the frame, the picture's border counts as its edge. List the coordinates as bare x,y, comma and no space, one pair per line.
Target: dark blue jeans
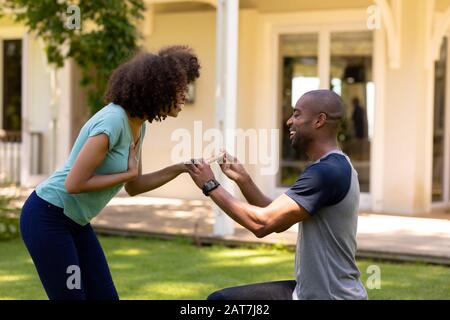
68,257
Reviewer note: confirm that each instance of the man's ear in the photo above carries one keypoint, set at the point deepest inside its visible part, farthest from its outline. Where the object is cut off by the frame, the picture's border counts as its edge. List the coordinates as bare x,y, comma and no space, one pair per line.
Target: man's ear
320,121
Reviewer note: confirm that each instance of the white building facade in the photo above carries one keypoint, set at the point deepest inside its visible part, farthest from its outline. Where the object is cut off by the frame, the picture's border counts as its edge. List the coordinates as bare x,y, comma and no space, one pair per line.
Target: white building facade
387,59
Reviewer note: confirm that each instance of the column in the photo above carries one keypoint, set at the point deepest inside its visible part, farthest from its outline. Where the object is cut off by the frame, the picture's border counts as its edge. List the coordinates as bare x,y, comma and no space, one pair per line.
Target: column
226,93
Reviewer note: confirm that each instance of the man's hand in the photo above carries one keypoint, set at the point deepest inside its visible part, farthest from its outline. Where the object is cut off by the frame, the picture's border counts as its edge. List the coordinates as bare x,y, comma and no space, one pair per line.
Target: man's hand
200,172
232,168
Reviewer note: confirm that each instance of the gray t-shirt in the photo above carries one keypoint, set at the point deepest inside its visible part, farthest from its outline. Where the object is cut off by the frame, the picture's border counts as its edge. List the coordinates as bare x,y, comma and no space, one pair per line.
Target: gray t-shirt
325,258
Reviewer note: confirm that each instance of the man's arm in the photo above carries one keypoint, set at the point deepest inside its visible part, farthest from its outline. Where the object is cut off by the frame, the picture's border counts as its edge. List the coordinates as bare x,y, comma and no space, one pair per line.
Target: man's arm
236,172
252,193
278,216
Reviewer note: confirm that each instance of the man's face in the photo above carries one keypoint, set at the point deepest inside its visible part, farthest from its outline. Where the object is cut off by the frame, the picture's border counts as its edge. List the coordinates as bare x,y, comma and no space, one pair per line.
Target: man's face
300,126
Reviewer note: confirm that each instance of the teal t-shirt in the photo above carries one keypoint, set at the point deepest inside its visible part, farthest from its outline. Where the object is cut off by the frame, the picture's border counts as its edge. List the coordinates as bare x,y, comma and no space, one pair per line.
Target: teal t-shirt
111,120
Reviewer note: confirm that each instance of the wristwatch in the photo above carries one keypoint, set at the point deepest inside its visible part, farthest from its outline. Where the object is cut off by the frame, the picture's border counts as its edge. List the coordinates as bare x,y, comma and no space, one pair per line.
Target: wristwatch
210,186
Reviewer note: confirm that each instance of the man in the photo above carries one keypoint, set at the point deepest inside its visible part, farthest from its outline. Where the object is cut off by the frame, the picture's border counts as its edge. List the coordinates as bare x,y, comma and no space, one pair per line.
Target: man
358,118
325,199
359,128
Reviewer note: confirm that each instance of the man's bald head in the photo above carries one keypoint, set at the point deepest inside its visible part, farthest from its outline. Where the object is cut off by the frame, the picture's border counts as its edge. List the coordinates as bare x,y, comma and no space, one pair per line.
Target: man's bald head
323,101
315,119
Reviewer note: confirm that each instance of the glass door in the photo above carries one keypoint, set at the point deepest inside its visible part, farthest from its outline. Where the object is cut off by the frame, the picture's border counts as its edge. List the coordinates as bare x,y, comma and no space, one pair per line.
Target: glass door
339,61
351,78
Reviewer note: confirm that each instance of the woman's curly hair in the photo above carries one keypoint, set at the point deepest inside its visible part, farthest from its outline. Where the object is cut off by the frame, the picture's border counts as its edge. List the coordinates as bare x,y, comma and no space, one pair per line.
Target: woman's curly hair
149,84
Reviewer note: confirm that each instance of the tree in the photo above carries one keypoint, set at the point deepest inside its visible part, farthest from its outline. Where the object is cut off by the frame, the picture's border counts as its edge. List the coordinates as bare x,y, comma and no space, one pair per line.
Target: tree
98,35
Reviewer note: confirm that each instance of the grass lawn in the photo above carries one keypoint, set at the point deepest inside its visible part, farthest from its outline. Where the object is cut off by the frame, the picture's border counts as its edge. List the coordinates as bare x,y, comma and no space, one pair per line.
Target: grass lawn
157,269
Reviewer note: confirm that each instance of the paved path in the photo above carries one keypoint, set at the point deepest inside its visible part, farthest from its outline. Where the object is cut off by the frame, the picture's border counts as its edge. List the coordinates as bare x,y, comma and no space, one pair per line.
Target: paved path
379,236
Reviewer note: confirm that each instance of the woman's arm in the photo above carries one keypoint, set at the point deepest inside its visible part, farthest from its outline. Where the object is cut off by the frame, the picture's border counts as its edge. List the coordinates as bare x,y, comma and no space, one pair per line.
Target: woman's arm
82,178
153,180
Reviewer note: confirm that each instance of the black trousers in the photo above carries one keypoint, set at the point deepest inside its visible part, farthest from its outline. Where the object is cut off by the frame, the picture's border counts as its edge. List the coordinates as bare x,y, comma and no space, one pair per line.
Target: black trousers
59,247
276,290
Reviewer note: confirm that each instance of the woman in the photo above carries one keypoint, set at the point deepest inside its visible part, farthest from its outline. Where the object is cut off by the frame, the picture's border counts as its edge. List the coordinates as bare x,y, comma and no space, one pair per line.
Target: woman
106,156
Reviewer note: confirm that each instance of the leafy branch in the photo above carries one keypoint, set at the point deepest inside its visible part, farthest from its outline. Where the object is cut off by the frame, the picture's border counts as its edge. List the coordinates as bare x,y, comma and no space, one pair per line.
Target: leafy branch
105,37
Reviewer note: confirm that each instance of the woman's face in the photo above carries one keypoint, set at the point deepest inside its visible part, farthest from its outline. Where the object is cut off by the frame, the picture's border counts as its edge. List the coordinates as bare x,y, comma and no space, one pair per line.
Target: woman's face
178,106
175,109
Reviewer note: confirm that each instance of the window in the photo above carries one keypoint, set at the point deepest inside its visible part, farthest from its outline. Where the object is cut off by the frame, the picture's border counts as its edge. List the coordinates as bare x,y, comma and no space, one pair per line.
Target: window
12,85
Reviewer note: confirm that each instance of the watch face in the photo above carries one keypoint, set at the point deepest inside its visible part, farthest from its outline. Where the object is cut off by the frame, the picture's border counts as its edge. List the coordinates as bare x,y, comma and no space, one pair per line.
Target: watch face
208,186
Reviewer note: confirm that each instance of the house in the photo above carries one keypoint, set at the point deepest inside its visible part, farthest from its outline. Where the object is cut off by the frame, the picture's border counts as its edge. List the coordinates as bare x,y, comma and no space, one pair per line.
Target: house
387,59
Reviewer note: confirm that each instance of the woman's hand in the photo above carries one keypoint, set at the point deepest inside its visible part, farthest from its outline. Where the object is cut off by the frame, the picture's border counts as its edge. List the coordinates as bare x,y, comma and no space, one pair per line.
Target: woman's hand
133,162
